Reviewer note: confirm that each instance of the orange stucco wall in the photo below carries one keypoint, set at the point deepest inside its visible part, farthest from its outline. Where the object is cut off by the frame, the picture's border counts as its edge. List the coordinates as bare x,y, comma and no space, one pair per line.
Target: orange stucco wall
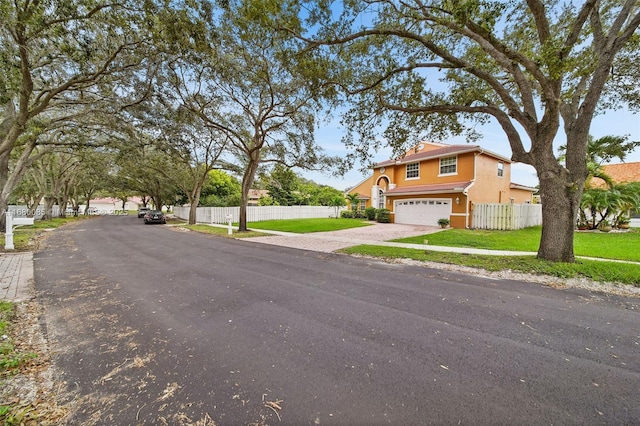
430,172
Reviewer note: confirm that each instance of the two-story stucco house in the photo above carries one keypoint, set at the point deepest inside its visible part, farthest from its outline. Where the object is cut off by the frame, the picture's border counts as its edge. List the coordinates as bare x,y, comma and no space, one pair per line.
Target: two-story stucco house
436,180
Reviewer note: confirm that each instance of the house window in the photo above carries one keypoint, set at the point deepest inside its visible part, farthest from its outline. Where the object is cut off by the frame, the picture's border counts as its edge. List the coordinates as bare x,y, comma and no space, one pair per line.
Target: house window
500,169
363,204
381,200
448,165
413,171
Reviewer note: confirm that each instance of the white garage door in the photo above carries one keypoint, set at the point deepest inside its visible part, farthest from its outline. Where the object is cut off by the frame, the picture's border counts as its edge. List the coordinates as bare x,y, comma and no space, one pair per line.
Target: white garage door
425,211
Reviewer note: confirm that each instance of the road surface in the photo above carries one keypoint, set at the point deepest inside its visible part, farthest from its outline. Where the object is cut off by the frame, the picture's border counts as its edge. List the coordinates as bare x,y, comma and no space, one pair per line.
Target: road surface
151,325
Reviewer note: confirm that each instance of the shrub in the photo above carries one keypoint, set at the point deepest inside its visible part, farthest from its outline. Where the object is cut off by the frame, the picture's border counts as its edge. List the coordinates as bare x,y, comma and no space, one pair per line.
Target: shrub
443,222
346,214
359,214
370,212
384,216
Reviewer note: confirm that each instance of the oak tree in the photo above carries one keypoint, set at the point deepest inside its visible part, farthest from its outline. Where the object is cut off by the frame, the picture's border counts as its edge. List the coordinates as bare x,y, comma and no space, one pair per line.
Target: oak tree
541,69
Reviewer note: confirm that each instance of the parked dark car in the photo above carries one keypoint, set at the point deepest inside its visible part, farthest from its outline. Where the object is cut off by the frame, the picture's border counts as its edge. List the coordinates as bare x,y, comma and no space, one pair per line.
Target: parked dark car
154,216
143,211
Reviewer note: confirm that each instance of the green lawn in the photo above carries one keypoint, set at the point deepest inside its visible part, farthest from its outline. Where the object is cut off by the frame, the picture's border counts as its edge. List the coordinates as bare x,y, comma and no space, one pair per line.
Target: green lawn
622,246
305,226
601,271
222,232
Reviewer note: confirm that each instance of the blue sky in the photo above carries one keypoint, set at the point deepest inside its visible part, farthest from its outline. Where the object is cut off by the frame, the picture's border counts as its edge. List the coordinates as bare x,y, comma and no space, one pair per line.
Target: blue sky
616,123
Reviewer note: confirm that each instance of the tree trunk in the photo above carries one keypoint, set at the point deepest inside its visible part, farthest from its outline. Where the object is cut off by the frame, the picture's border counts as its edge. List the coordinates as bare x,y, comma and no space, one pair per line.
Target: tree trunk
194,200
33,206
560,196
6,192
247,183
48,207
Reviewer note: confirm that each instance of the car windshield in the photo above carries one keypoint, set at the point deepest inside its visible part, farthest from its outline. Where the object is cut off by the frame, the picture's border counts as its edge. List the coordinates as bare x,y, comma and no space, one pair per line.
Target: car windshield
155,212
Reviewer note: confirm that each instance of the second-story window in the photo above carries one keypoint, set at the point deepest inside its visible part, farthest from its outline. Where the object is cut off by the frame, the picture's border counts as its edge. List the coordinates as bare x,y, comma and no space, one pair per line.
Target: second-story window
500,169
448,165
413,171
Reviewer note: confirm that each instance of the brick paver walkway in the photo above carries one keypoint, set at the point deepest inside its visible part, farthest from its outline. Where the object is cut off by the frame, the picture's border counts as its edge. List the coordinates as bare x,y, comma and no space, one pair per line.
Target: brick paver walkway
16,276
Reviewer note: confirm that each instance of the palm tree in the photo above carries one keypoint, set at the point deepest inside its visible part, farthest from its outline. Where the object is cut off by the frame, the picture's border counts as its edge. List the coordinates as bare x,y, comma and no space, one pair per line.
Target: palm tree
616,200
600,204
628,200
601,151
353,201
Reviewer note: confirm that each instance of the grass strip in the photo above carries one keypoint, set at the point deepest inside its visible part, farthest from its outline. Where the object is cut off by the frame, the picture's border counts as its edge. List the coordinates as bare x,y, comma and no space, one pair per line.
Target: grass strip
612,245
222,232
601,271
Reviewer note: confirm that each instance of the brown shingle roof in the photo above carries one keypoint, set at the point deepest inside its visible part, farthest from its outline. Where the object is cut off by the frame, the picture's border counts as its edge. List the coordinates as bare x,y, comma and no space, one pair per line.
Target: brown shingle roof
439,152
429,189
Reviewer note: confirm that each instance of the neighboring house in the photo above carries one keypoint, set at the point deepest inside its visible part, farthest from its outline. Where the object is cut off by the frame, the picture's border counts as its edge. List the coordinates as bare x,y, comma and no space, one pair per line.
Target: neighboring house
109,205
436,180
619,173
255,195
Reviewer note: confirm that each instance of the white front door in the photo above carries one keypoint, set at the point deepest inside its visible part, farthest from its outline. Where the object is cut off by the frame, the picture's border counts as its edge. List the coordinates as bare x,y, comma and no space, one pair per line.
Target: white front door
422,211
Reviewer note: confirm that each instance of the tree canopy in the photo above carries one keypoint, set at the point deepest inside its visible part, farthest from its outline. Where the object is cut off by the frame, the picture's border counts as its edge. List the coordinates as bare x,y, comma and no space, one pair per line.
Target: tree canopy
429,70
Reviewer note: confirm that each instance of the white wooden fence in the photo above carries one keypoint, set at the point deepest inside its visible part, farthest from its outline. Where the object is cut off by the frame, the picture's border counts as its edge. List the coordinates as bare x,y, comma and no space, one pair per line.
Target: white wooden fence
506,216
257,213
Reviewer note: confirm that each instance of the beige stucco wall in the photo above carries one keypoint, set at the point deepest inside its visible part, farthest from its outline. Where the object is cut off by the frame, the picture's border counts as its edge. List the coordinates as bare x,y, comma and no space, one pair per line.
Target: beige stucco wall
489,187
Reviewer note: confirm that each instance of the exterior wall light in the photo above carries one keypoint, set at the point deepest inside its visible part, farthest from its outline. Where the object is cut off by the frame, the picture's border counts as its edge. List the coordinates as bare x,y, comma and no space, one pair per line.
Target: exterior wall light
457,200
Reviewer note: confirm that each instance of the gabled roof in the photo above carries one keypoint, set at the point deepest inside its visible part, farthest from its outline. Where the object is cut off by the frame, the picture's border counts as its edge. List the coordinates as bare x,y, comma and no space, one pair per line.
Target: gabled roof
624,172
514,185
440,152
257,193
429,189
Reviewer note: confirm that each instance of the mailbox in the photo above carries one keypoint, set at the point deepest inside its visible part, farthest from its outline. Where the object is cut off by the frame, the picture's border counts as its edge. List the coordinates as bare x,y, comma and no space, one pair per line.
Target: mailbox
22,221
229,218
10,224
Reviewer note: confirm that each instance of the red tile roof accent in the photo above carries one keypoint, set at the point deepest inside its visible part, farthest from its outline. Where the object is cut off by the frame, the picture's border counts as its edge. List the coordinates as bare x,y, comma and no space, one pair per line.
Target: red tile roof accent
430,189
624,172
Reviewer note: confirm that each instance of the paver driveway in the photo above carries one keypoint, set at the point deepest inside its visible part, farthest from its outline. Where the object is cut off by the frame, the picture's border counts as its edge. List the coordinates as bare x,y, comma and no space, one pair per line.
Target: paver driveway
335,240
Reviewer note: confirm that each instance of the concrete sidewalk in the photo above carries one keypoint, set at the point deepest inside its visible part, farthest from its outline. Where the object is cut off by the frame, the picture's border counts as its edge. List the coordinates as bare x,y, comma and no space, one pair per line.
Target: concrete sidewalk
16,276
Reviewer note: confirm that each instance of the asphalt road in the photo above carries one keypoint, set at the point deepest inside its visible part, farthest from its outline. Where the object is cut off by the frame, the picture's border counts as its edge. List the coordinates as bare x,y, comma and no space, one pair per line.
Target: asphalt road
150,325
